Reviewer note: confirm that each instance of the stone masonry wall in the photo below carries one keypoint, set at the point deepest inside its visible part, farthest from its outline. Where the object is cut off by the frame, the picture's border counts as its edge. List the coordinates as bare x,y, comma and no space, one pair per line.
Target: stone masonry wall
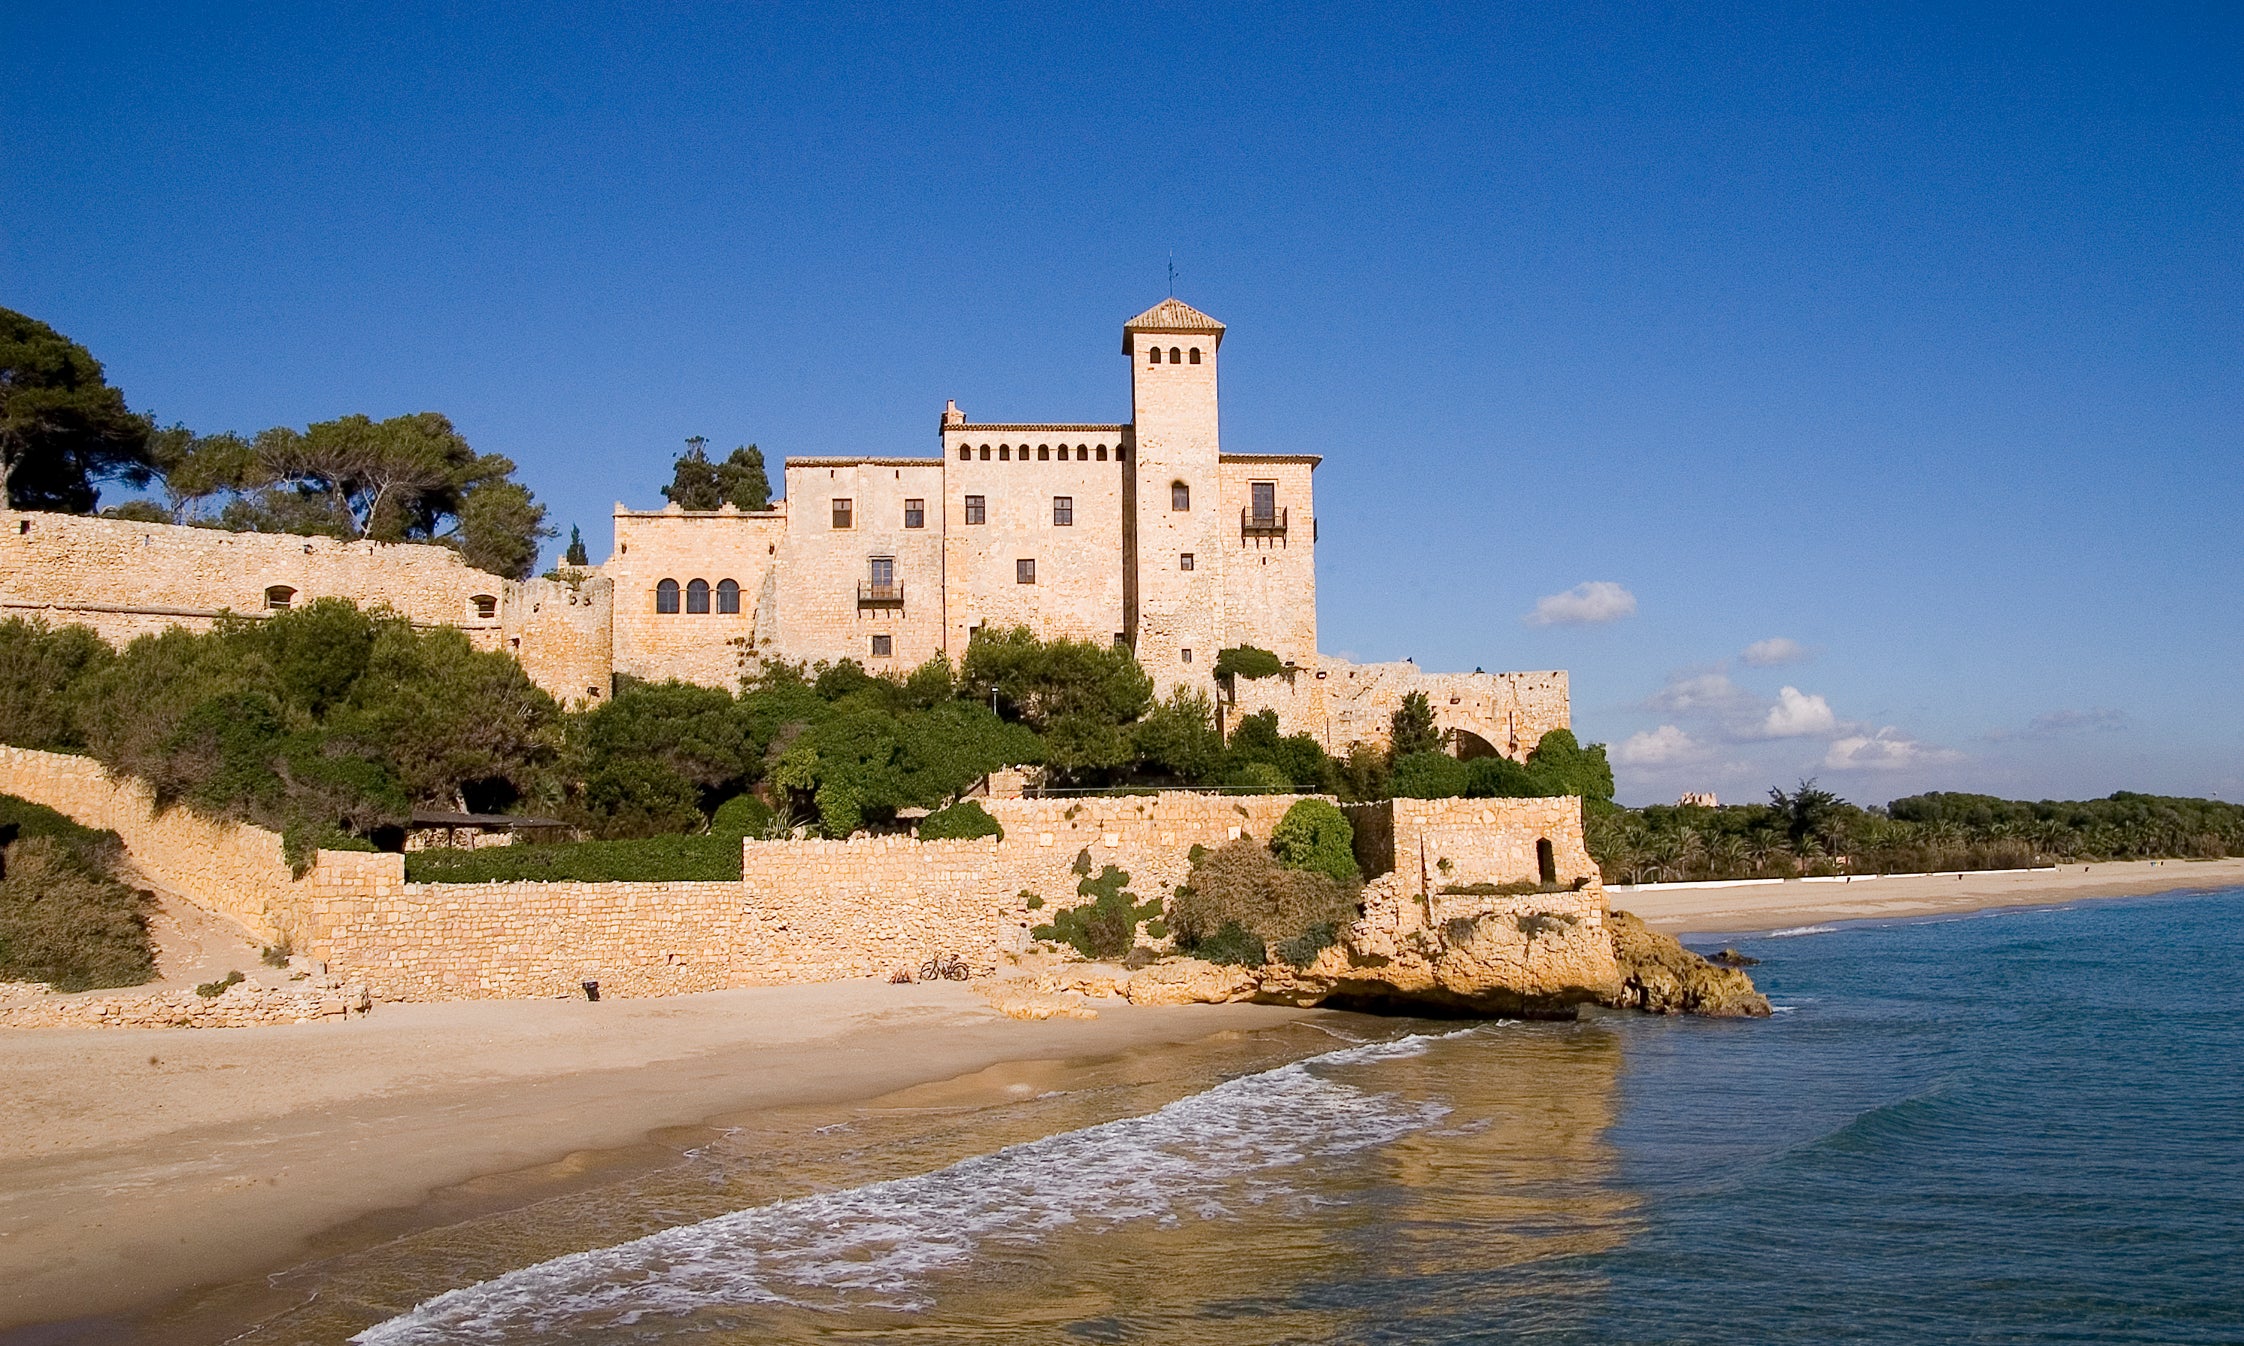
1341,703
825,909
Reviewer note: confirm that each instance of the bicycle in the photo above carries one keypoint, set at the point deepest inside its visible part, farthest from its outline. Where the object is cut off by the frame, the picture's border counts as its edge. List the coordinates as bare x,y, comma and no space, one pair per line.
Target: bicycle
945,967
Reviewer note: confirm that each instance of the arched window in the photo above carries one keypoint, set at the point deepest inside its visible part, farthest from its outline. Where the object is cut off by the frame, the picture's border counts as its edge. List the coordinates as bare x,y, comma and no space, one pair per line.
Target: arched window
666,597
1102,453
728,597
1195,355
1180,495
1153,355
1005,453
1083,453
1174,357
1043,453
965,454
279,597
985,453
486,606
697,595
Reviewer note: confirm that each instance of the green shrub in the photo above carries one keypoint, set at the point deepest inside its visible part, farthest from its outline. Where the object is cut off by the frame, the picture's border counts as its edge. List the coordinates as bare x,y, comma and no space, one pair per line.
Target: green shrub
740,817
1242,887
1262,778
1522,888
20,819
1429,775
1302,949
1247,661
1501,778
705,858
1234,944
962,821
211,990
276,956
1105,927
1316,836
66,922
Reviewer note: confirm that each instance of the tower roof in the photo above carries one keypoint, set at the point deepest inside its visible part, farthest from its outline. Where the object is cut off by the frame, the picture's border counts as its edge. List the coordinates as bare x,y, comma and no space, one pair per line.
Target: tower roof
1170,315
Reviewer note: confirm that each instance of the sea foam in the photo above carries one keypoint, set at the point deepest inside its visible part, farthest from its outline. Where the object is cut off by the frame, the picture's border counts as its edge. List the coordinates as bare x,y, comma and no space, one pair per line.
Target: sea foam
876,1245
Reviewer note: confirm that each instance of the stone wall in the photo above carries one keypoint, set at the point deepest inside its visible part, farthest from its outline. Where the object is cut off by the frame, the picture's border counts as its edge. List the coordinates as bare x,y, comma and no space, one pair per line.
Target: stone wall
1019,472
1436,843
710,648
825,608
867,906
1340,703
1270,579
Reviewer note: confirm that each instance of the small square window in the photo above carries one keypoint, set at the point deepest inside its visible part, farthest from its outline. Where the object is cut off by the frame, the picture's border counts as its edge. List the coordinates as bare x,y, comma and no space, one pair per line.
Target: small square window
1063,511
883,646
1024,571
1184,560
845,512
915,514
1188,656
1180,495
977,511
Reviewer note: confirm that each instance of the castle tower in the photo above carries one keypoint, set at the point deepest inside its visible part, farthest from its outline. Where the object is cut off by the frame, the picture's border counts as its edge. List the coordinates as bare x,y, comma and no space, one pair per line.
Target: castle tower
1174,553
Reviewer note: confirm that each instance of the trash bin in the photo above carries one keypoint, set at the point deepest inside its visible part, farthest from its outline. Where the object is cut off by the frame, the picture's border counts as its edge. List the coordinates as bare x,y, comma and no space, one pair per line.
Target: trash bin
591,990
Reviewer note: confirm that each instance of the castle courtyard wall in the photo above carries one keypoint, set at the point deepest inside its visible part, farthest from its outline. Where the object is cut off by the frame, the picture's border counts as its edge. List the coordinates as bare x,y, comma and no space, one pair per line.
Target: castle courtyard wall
711,648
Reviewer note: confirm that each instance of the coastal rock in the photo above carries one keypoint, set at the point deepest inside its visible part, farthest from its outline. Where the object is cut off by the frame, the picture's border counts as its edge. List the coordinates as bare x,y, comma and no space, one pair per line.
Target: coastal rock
1190,981
1540,956
1017,1000
1660,976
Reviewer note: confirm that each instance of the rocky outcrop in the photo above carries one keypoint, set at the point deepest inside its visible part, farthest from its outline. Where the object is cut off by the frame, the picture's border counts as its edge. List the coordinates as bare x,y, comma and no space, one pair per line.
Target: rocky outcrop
245,1005
1538,955
1660,976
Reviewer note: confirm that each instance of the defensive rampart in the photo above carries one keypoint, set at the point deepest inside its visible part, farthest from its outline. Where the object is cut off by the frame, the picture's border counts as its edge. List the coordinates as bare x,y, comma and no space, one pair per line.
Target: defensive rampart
1339,703
803,910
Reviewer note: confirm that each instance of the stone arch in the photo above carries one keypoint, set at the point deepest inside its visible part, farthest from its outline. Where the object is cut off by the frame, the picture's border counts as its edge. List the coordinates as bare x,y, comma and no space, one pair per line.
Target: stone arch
666,597
1467,744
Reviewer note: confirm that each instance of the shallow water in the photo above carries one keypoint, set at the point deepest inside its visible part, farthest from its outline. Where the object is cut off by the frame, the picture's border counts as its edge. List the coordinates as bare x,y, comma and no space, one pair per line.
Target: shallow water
2019,1127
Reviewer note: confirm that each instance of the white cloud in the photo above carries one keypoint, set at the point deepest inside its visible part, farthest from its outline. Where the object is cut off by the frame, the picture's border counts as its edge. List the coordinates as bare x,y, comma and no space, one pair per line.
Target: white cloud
1708,693
1798,714
2103,719
1590,604
1664,746
1774,651
1887,750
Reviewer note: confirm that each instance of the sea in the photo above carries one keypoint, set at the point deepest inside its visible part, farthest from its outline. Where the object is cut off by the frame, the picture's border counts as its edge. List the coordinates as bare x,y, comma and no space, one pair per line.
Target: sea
2018,1126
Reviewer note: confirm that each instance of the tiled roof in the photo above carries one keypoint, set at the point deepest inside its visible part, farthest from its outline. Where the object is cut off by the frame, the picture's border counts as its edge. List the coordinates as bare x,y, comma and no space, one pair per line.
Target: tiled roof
1170,315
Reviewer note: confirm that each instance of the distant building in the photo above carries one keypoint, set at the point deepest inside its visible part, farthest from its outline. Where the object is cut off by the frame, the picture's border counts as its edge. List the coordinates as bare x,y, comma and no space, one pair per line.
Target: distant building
1698,799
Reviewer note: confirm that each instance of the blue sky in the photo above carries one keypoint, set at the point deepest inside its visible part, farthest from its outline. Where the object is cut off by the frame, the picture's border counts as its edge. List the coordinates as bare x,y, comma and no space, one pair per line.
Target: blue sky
1912,336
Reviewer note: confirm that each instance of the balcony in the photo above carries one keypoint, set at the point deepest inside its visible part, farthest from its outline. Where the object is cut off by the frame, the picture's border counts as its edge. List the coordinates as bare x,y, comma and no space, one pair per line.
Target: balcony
1262,523
873,594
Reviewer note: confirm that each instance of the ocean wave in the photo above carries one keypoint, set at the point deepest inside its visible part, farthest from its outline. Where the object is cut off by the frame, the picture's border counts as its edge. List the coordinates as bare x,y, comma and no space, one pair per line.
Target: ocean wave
1792,931
876,1245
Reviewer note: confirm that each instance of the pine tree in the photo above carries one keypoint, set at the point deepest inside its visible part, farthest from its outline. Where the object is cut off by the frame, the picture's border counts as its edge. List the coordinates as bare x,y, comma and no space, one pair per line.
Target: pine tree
576,554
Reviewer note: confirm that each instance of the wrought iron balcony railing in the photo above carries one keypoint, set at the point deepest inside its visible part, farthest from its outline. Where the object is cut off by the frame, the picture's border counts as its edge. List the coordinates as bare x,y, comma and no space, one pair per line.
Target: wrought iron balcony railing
1267,523
875,595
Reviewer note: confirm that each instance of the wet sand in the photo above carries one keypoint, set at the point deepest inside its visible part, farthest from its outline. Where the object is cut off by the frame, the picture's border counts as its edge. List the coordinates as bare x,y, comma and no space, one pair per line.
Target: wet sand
138,1164
1799,902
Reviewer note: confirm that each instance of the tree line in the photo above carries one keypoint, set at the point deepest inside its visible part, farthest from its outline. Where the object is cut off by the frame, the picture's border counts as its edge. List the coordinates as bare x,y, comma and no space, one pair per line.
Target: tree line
1810,830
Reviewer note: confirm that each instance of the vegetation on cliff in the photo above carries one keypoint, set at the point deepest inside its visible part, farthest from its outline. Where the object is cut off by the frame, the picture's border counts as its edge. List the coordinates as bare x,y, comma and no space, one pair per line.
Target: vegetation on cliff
65,919
1246,903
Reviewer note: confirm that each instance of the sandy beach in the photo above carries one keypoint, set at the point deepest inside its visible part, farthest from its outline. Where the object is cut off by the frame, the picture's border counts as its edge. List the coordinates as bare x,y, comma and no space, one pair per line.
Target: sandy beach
1738,910
138,1164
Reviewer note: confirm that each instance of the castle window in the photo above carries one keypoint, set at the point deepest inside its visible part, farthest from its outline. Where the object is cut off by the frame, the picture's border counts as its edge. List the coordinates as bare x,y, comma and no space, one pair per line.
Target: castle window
1195,355
915,514
985,453
845,512
1180,495
697,596
1024,571
1083,453
1005,453
1263,500
486,607
1174,358
1044,453
884,646
666,597
965,453
1184,560
279,597
728,598
882,571
977,509
1102,453
1187,656
1063,511
1153,355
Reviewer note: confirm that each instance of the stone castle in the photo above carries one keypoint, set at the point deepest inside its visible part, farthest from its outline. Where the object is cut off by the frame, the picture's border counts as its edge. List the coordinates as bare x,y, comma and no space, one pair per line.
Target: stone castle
1147,534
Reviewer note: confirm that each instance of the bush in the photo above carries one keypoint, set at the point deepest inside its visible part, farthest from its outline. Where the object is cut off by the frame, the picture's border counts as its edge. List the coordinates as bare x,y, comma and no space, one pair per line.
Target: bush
1243,886
40,670
740,817
709,857
962,821
1247,661
1317,836
1429,775
66,922
211,990
1262,778
1233,944
1105,927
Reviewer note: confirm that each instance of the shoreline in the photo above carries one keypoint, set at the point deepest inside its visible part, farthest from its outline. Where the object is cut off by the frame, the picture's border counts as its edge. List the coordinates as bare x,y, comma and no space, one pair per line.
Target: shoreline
141,1166
1756,909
